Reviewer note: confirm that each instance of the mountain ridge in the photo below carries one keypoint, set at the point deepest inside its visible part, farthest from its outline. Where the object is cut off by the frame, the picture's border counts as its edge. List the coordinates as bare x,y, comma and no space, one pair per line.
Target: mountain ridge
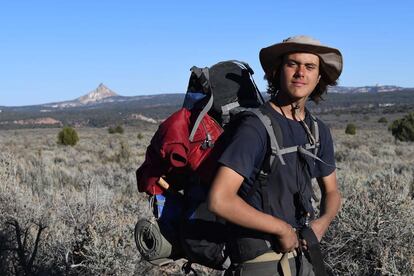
365,89
103,94
101,107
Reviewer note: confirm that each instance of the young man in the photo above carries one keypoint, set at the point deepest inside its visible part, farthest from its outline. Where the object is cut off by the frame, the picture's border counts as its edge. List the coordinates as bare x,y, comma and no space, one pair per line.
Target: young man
265,223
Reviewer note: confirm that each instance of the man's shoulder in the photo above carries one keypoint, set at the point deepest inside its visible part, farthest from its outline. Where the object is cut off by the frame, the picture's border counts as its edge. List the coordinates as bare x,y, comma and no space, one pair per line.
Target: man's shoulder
249,120
247,128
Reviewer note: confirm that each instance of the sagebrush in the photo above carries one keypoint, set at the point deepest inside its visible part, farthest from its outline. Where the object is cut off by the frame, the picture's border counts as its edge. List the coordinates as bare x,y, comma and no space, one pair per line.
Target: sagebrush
82,203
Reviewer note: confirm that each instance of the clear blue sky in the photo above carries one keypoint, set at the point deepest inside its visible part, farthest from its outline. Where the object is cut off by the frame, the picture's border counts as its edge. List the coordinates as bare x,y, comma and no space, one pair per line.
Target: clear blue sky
59,50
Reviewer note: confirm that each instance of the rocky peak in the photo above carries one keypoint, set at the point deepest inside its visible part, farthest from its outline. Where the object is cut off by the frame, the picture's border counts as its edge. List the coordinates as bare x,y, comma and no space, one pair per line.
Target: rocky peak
101,92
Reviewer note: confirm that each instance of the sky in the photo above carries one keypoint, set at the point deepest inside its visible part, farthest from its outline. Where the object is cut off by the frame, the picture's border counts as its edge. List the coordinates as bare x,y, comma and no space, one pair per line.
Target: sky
56,50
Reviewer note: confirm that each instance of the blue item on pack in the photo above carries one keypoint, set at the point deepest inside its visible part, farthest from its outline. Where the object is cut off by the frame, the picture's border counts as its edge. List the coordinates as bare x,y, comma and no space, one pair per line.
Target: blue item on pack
168,211
191,98
159,203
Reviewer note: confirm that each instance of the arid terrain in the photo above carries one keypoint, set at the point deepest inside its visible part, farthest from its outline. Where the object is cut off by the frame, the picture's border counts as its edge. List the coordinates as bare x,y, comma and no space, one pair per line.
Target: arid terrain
71,210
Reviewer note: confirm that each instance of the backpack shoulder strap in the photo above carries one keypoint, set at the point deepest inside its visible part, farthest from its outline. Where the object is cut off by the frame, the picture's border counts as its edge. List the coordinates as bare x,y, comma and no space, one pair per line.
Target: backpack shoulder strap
315,132
306,149
273,131
274,134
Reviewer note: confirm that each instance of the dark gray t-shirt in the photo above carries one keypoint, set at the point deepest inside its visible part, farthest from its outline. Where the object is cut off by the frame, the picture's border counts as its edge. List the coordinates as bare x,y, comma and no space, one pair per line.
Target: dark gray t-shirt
248,147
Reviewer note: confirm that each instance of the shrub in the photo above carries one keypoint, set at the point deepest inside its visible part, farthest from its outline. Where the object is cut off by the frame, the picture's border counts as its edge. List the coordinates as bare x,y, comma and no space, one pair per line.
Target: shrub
382,120
350,129
140,136
373,232
403,129
68,136
118,129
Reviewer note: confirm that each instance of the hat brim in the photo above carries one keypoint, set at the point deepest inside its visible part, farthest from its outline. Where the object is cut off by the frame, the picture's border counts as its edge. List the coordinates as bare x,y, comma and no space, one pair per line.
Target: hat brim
271,57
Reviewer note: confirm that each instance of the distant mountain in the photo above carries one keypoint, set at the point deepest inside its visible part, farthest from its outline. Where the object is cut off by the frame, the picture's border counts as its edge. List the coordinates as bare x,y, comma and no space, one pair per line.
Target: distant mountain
101,92
365,89
103,107
99,95
99,108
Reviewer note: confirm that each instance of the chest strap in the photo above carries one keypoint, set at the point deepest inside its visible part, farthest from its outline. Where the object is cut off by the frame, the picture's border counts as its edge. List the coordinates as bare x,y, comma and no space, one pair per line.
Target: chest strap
279,152
304,150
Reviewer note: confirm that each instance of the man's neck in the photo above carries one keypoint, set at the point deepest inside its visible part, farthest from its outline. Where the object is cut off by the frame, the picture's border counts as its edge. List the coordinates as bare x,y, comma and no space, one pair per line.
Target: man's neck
294,110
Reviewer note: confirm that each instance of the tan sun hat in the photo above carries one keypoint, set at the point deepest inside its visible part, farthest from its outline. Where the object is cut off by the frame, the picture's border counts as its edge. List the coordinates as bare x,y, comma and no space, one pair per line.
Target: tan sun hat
331,58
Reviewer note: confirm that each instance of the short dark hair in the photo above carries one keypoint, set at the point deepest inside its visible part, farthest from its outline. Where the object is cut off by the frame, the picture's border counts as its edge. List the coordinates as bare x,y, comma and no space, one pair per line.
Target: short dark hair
273,83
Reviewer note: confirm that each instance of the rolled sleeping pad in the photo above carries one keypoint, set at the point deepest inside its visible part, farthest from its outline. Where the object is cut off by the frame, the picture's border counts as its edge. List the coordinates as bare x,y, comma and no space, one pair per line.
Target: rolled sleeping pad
151,244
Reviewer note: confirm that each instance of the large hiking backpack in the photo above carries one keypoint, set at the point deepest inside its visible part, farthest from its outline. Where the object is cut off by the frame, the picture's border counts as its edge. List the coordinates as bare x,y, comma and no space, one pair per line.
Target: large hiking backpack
182,158
180,163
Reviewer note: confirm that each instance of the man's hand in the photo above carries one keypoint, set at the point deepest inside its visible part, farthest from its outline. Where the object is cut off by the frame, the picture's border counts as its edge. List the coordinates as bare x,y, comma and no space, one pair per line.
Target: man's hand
288,240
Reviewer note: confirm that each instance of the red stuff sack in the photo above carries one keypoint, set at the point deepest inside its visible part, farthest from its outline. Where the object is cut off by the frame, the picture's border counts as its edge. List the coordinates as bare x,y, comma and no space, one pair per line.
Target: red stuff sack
171,150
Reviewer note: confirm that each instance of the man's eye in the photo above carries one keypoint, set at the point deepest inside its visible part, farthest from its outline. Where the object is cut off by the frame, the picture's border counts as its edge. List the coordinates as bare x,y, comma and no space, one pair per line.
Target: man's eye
291,63
310,67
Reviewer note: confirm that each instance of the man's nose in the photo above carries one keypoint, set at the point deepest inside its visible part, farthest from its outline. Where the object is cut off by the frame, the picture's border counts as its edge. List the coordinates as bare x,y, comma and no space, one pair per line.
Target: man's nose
300,71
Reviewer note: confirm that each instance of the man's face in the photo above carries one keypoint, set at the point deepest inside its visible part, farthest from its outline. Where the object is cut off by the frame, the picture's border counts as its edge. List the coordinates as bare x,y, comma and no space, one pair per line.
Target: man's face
300,75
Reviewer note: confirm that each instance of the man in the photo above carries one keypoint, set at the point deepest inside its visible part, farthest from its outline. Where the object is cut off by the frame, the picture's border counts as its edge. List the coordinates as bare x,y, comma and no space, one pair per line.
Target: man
266,221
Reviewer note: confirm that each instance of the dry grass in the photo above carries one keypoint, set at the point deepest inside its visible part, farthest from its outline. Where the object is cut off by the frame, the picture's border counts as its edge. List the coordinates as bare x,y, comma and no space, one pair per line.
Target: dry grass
82,203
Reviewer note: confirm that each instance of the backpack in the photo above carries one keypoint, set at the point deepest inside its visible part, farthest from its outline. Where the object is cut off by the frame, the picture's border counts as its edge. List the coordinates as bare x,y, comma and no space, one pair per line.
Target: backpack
181,160
180,163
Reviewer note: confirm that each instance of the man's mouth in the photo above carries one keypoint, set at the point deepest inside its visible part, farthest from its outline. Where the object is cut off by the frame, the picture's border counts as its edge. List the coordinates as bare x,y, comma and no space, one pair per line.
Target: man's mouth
298,83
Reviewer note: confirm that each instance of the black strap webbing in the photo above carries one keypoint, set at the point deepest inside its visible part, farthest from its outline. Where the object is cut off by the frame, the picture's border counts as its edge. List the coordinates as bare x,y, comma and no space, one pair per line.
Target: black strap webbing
314,251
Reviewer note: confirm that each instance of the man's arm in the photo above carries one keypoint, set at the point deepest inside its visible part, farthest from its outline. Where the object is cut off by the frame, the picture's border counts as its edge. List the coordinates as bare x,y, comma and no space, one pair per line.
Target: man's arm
330,204
225,202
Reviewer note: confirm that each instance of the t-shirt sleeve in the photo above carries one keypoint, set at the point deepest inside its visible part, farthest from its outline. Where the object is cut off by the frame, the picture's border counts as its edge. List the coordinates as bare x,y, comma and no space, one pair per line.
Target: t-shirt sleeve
326,153
247,148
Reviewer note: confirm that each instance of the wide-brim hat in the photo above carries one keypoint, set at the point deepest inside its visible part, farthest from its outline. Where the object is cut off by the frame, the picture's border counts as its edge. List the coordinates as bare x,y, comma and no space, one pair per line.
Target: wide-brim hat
331,58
